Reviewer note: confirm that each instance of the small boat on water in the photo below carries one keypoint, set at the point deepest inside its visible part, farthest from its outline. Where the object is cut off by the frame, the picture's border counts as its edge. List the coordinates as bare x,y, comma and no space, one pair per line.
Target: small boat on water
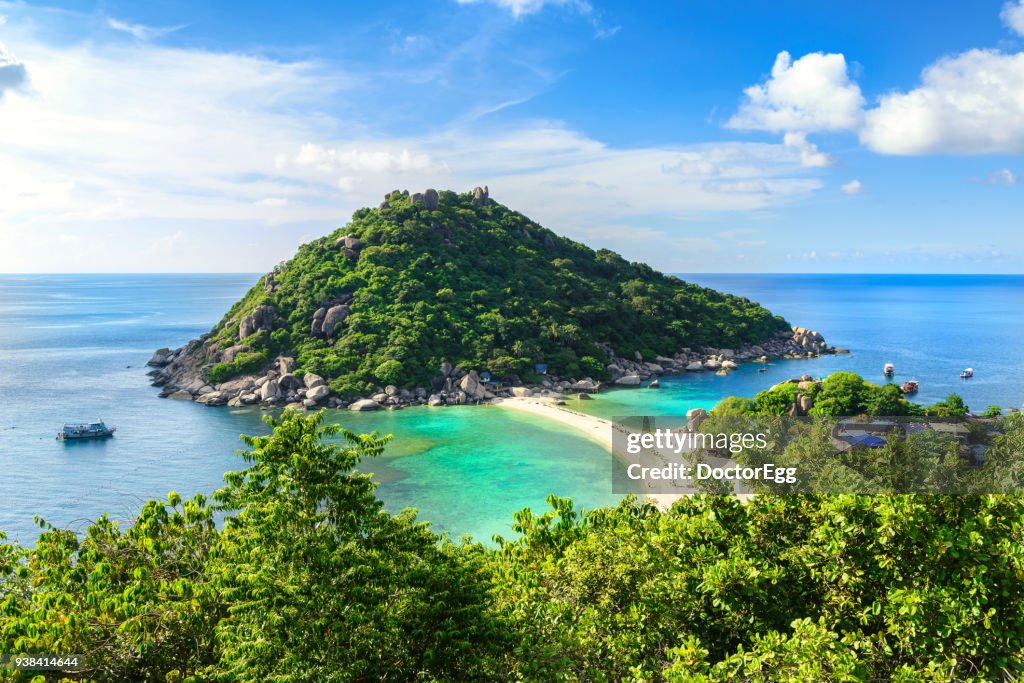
967,374
910,386
889,370
84,430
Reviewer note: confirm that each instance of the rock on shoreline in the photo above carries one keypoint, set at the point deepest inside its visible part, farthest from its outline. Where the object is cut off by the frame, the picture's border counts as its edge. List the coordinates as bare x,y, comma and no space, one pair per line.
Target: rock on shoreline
180,374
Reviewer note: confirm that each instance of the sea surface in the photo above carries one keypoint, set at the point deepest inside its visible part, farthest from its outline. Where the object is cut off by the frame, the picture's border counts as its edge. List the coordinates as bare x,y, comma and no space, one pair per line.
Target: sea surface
74,347
931,327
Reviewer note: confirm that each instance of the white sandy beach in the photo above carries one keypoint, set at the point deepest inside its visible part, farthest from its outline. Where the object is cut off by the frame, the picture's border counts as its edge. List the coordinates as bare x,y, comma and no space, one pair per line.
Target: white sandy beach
595,428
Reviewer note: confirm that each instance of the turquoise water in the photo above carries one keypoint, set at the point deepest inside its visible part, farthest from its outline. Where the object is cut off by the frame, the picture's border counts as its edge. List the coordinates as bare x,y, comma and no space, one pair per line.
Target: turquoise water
74,347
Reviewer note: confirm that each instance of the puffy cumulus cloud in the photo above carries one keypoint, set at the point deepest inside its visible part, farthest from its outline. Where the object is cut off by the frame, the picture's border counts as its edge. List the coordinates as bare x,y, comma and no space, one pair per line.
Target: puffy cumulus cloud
810,156
814,93
972,103
854,187
227,150
13,73
1013,16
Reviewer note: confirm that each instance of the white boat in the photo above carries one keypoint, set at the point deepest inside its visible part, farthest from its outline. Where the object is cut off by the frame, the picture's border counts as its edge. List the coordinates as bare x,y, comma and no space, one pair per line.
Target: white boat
889,370
967,374
84,430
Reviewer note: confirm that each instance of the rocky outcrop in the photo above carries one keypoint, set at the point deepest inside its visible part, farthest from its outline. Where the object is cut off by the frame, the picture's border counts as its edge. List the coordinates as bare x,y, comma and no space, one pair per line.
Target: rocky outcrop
316,328
160,358
262,318
327,318
317,394
431,200
351,245
334,316
797,343
270,282
228,354
180,373
481,196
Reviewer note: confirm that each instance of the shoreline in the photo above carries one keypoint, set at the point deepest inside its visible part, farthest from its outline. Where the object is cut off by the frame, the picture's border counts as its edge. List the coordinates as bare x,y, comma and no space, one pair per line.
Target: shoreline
181,374
596,429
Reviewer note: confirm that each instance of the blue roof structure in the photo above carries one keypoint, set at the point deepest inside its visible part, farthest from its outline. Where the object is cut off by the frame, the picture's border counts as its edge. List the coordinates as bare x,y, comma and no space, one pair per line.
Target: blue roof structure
869,440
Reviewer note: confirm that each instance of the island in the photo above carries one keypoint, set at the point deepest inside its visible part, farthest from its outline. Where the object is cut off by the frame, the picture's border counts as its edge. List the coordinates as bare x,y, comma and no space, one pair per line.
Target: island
437,298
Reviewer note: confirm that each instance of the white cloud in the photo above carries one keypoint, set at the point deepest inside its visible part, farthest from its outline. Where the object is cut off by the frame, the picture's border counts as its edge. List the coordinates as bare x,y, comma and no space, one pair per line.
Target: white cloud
141,32
1013,16
374,161
1002,177
972,103
739,187
13,73
229,149
3,19
810,156
521,8
854,187
814,93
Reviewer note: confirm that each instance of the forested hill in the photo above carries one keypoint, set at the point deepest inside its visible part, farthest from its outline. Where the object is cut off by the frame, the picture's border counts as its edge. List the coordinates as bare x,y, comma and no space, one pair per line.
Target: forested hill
441,276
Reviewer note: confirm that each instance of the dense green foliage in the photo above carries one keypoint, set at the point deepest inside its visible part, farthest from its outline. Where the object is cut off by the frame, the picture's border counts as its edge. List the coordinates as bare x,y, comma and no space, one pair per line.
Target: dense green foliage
911,460
245,362
841,394
310,580
481,286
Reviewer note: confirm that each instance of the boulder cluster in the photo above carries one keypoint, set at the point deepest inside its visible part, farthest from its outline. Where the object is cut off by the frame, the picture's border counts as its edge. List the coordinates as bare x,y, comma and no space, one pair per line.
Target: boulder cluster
277,386
481,196
351,245
802,403
181,374
262,318
799,343
327,318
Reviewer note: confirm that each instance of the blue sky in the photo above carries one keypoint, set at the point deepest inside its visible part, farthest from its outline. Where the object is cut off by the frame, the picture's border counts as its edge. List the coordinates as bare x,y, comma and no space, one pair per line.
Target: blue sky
698,137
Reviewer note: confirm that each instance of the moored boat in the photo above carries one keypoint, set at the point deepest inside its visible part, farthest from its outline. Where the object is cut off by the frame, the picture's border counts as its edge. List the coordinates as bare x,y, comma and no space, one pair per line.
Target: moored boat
84,430
967,374
910,386
889,370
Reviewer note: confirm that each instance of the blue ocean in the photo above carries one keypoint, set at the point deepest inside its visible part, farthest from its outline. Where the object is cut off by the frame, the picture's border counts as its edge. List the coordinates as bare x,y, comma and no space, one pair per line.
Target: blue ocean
74,347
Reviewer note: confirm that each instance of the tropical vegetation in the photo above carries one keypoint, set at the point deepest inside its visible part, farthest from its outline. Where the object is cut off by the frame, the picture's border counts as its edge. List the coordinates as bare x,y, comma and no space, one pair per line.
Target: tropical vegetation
478,285
307,578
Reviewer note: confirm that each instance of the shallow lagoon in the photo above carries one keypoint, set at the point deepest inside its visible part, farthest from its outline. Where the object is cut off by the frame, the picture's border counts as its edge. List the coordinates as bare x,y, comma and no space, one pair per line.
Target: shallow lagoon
74,347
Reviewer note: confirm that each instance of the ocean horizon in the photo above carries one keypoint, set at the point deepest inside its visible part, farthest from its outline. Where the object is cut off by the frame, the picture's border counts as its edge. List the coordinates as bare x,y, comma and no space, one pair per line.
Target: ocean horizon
75,347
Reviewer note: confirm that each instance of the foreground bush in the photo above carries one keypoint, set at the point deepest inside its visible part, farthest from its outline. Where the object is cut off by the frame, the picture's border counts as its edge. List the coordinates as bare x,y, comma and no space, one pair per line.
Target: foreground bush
308,579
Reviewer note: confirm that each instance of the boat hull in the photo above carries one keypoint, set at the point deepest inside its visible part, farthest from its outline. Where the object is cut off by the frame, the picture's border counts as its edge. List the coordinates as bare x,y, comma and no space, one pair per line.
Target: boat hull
83,436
